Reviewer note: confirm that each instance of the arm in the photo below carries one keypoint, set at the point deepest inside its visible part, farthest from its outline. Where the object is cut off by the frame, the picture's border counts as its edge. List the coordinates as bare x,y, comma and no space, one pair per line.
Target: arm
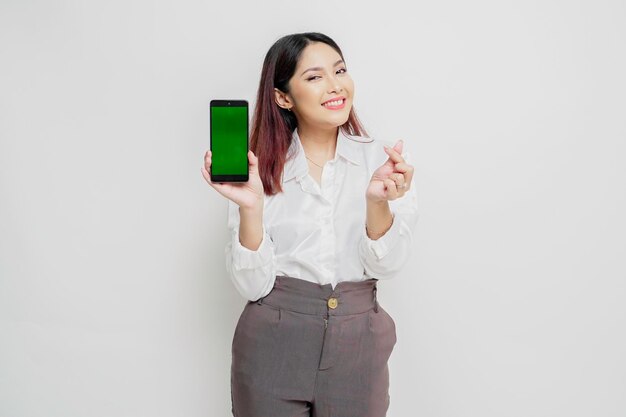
386,240
250,256
379,219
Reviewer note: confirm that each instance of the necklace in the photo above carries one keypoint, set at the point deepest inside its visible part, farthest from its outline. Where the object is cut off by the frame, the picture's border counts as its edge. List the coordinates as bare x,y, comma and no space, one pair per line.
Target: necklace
313,161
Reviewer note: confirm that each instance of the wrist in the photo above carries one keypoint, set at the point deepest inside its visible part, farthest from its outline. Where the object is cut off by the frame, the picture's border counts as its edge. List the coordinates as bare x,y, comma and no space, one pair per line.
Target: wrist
377,203
251,227
252,207
251,212
379,218
376,234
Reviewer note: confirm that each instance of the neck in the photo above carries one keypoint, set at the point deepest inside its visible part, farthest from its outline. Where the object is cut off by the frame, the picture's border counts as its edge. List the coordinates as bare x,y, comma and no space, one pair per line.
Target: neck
318,143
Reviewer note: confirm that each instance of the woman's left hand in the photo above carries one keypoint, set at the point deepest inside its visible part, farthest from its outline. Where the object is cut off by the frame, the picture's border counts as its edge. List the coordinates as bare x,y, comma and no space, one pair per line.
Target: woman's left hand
392,179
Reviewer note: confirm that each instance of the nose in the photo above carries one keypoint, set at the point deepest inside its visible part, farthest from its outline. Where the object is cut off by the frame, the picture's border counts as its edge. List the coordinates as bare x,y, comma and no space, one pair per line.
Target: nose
334,85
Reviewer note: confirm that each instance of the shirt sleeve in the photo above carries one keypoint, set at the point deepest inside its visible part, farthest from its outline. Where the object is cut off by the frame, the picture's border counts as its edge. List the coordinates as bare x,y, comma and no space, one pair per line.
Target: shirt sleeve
252,272
384,257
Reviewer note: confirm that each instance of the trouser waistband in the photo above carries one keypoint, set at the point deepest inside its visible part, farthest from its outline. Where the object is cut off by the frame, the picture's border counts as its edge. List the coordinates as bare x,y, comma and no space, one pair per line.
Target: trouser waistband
301,296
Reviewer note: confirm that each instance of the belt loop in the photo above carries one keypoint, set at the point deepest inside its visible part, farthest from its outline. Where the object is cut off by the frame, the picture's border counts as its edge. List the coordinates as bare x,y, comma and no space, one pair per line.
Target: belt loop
260,301
375,299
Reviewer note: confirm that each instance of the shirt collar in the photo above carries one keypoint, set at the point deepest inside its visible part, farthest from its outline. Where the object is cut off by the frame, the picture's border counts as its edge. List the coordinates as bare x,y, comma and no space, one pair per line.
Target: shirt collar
296,165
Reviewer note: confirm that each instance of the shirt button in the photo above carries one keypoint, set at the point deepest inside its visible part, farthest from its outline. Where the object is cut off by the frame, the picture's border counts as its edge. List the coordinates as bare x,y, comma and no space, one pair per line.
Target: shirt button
332,302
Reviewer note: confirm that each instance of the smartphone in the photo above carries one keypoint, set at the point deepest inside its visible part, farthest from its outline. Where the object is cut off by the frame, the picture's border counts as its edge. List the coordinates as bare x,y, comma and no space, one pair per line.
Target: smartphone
228,128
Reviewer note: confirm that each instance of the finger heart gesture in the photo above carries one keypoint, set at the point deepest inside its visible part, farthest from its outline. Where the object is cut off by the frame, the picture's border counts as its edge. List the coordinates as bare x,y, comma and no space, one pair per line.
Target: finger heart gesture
392,179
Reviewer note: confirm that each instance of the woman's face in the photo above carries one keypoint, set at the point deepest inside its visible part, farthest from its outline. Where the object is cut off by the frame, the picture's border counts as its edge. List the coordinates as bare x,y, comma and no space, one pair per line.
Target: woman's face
320,76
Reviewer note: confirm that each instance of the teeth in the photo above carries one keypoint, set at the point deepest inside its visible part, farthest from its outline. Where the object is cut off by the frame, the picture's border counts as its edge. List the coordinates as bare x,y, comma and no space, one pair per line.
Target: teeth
333,103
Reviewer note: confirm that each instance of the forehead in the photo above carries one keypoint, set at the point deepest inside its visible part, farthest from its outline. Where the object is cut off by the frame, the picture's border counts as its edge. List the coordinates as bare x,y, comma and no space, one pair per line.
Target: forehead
318,54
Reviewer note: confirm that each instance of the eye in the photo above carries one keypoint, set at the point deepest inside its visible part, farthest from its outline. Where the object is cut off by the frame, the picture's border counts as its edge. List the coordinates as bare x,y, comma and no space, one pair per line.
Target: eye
317,76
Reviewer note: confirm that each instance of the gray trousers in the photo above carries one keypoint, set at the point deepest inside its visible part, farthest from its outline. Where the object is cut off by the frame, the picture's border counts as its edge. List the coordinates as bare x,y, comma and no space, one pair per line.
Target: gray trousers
308,350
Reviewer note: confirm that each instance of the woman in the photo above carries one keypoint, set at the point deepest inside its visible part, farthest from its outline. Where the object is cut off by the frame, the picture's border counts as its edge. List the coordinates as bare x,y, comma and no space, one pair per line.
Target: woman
325,215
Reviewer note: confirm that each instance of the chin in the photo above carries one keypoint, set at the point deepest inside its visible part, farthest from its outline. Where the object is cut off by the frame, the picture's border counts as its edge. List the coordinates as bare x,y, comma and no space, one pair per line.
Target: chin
344,119
339,118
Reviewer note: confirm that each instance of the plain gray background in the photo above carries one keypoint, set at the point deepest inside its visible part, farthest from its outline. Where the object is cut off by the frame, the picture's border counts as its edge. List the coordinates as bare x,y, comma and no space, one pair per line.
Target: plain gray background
114,299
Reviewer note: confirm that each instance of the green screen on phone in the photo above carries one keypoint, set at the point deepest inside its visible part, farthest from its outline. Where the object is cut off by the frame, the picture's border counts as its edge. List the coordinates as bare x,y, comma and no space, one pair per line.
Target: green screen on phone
229,140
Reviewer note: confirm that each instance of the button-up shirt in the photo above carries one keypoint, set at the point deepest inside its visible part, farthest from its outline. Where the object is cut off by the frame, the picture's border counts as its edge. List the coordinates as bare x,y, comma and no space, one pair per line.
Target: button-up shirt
316,232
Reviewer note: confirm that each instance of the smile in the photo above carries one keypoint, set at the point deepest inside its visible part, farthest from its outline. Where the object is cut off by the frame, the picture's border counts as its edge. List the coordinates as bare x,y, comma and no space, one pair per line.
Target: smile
335,105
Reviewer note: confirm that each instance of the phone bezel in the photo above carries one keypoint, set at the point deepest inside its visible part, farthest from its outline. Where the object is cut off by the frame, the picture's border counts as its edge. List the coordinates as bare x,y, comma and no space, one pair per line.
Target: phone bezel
230,103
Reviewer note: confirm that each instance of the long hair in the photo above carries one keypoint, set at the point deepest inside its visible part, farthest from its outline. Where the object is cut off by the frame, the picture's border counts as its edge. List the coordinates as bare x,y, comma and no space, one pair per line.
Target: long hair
273,126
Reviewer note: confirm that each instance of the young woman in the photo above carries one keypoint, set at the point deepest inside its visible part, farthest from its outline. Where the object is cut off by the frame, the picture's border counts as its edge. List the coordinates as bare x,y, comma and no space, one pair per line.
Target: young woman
325,214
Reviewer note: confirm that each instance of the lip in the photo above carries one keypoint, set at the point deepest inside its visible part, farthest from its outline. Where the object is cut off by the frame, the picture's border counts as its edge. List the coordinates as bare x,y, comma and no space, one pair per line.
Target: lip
335,107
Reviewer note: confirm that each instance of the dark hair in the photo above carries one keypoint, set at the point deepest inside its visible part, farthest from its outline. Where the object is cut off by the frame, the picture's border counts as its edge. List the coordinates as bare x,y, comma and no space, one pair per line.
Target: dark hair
272,126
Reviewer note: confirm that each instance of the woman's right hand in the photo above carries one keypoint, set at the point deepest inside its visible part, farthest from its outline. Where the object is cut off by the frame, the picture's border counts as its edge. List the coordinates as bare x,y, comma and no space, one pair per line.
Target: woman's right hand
248,195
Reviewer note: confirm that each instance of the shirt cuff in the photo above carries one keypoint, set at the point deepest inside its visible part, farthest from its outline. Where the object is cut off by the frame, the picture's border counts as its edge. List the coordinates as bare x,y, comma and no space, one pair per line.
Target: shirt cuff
381,246
244,258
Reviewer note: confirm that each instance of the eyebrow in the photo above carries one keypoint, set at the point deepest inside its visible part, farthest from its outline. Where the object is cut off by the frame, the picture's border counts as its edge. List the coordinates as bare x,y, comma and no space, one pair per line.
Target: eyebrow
320,68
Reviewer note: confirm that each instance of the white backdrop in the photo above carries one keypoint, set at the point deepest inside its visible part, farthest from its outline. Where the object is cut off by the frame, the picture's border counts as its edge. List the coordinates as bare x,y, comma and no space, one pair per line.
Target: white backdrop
114,300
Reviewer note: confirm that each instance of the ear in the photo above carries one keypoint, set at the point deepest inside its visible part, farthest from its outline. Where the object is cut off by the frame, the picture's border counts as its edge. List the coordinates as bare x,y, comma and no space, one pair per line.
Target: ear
282,99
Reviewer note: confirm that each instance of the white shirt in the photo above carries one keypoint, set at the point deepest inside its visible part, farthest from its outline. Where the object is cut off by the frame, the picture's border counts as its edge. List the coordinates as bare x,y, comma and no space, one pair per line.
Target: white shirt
318,233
